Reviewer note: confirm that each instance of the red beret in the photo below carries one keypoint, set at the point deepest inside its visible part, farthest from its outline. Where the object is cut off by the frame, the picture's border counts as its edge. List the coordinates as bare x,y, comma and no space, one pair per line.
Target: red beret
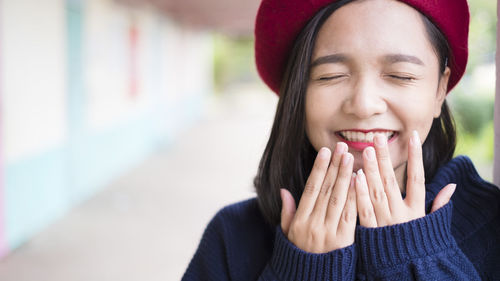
279,22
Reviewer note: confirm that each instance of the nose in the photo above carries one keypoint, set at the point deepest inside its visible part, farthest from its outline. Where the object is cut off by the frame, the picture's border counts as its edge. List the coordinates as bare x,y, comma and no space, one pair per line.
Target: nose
364,100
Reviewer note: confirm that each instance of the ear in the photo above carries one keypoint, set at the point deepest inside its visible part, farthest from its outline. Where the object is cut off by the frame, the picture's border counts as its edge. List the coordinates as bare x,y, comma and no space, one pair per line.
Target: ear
441,91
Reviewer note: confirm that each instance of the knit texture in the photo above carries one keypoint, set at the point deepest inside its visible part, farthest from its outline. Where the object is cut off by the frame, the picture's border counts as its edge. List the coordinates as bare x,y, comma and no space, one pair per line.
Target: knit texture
292,263
460,241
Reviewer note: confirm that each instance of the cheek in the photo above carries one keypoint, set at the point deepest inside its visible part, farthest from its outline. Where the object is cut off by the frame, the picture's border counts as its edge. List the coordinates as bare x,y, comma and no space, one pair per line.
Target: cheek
322,105
319,115
314,126
417,118
424,118
417,112
424,129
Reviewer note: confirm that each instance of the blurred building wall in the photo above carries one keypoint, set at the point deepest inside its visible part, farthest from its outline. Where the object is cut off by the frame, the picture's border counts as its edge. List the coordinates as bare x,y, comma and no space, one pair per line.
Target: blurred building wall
87,90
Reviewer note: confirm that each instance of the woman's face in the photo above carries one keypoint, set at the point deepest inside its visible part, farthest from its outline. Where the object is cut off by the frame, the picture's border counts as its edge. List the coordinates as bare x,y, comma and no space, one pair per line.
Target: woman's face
373,70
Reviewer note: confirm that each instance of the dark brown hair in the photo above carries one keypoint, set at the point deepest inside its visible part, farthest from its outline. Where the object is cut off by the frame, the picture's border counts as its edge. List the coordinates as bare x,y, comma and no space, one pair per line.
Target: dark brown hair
288,157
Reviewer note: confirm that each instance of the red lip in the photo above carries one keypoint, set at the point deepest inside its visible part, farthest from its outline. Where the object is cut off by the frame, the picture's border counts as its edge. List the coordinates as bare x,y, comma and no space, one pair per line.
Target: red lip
358,145
362,145
367,131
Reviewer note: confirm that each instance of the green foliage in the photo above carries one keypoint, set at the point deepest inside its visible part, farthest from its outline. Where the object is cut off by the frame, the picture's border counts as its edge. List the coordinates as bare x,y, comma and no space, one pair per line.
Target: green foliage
478,147
233,60
482,33
472,112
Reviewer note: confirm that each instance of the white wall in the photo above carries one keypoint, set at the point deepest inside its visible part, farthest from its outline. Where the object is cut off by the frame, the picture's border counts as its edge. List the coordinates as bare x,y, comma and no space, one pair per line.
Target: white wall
33,82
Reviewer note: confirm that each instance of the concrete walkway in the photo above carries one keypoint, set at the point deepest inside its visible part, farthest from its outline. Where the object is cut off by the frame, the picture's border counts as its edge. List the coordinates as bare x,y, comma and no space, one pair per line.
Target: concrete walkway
147,224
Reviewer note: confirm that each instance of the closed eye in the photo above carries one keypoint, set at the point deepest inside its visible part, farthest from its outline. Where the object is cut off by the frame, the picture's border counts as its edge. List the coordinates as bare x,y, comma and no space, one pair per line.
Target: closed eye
328,78
402,77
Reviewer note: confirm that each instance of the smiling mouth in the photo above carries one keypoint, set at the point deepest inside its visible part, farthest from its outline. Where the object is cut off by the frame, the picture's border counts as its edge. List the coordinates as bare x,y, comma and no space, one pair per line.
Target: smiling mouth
364,137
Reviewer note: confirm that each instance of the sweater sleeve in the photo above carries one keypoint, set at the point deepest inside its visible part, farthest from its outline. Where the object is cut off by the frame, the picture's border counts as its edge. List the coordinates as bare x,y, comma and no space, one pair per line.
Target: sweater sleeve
222,256
291,263
210,259
422,249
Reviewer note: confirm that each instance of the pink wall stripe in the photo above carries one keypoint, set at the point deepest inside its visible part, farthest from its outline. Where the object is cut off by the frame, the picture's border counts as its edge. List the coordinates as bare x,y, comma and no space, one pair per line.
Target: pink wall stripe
496,165
3,241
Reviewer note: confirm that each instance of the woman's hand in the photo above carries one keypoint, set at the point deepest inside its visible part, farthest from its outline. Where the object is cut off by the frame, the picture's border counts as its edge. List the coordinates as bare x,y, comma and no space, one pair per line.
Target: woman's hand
378,195
326,217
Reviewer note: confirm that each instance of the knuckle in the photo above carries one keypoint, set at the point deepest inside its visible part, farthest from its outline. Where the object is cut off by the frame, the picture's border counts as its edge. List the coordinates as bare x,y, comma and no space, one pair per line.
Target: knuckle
416,178
366,213
295,228
371,173
383,155
378,195
326,186
334,201
389,181
348,217
309,188
315,235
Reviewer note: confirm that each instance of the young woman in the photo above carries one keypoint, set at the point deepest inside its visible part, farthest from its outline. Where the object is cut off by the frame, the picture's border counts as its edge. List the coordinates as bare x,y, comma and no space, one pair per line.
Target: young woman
356,179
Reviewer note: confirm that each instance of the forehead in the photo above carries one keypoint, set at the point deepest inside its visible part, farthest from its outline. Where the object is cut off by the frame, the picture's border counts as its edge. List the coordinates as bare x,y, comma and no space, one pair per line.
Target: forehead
374,27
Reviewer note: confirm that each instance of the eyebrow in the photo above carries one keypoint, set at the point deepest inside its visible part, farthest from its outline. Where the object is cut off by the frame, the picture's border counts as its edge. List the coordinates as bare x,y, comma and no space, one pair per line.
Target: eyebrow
335,58
395,58
391,59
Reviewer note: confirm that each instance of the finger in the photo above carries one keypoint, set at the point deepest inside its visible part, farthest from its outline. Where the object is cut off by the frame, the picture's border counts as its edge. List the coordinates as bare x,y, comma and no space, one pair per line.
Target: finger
330,178
287,209
347,224
443,197
387,175
415,185
375,187
364,204
314,183
338,197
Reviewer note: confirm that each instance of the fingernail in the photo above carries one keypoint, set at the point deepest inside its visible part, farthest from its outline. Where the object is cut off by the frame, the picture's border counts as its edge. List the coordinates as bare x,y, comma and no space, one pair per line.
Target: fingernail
360,175
324,152
452,189
370,153
346,158
380,140
340,148
415,139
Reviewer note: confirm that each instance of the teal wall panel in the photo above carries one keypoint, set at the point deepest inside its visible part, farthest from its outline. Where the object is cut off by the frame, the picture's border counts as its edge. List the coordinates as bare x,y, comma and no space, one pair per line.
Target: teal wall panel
36,189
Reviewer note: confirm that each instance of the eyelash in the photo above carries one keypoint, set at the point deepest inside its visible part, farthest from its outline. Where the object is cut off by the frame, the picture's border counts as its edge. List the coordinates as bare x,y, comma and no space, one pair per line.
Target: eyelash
402,78
398,77
330,77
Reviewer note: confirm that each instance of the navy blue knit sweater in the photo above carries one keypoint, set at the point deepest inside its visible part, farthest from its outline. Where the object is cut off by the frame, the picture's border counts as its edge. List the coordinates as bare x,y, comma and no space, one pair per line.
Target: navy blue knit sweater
460,241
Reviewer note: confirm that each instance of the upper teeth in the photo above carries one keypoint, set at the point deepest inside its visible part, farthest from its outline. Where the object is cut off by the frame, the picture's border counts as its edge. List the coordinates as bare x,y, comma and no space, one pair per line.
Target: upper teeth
363,137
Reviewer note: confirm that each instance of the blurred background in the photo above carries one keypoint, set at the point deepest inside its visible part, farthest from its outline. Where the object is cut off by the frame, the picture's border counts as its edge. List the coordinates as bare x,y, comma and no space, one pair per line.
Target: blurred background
126,124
